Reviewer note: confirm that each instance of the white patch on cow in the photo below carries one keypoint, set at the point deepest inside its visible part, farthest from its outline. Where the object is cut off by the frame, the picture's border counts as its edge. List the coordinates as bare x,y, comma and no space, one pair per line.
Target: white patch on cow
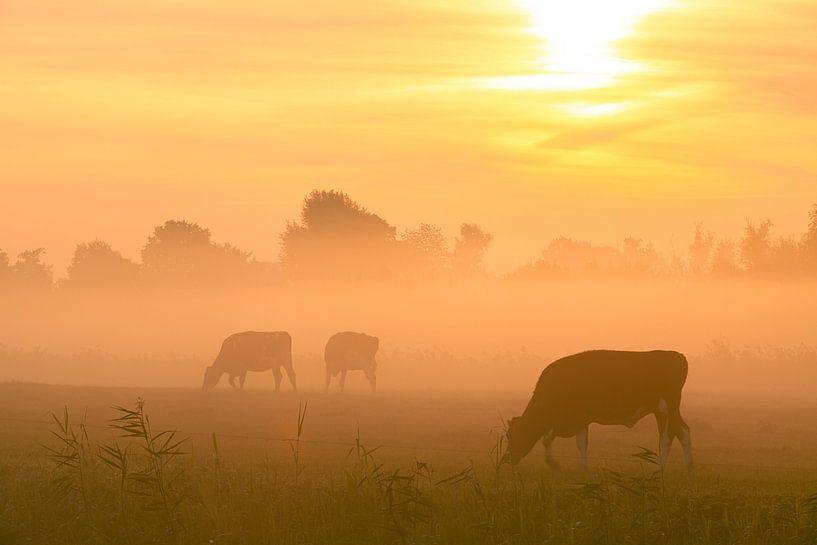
662,405
686,443
581,442
664,444
547,440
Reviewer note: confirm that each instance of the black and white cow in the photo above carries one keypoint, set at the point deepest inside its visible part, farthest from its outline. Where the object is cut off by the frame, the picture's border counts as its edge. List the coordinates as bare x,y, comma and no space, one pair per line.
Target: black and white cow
603,387
252,351
350,351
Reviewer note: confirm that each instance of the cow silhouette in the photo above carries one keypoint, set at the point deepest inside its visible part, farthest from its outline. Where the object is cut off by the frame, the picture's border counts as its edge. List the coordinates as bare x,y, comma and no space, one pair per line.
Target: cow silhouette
252,351
604,387
349,351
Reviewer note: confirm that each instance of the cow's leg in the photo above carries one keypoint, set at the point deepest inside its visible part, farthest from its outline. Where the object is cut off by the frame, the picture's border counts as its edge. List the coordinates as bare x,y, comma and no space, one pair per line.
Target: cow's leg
664,438
277,374
328,380
547,441
342,379
581,442
232,382
679,428
686,443
242,378
291,376
372,379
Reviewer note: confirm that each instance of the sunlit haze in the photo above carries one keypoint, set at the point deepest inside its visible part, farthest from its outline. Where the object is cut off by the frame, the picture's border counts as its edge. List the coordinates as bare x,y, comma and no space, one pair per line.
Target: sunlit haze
593,120
459,272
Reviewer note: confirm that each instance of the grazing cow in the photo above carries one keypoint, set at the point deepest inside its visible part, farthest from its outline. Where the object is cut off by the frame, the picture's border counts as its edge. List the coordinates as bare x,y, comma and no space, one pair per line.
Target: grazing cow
348,351
252,351
604,387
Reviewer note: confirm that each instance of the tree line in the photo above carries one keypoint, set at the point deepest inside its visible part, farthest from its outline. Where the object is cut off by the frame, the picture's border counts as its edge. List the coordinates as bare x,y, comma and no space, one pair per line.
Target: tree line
758,253
337,239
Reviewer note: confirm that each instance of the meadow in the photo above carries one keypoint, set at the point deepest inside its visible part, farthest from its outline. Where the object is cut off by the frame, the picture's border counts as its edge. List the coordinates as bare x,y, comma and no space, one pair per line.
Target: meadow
402,467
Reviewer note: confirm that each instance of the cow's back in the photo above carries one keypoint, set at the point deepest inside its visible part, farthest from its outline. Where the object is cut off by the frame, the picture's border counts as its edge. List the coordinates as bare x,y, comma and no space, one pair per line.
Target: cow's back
346,350
611,383
340,344
255,350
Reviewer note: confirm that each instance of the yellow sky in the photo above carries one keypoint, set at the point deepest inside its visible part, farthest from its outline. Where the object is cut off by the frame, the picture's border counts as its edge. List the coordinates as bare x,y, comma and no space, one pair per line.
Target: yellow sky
531,118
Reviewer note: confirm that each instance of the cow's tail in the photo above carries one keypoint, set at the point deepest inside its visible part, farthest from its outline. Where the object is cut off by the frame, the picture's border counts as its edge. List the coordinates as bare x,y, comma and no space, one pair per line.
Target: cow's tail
287,363
676,426
683,369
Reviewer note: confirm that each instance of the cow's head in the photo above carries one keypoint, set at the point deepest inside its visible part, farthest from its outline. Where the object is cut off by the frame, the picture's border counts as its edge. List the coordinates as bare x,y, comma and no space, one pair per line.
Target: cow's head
211,377
522,435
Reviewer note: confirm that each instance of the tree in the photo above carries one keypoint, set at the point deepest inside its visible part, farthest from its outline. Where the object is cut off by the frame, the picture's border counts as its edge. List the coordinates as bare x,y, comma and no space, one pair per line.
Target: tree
180,252
31,273
565,256
724,261
579,257
333,212
640,258
337,238
6,272
755,248
808,244
700,251
175,249
785,256
469,248
426,249
97,264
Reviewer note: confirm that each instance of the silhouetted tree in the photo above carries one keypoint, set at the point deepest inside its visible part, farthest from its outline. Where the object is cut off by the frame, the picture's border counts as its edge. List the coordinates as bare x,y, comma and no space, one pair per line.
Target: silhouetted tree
677,262
639,257
425,250
755,248
97,264
5,270
808,244
31,273
567,256
785,256
181,253
581,257
700,251
337,238
334,212
724,260
469,248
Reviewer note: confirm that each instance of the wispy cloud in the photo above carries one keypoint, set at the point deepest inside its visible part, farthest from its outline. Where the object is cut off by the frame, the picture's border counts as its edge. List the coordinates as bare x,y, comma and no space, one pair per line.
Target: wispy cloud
388,98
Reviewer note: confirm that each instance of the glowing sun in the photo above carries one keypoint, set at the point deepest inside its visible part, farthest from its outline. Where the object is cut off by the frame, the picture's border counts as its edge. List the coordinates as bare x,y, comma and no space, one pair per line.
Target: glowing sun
578,41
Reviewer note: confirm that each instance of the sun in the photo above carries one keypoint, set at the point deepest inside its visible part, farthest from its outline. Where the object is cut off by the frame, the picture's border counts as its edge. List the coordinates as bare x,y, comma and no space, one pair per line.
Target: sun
578,42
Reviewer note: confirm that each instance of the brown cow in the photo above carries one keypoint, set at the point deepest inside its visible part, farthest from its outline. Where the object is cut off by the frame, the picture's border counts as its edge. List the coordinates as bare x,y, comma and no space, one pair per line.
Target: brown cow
348,351
604,387
252,351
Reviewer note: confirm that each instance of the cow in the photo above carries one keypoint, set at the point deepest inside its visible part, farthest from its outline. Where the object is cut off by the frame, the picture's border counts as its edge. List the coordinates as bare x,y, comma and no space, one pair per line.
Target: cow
252,351
604,387
349,351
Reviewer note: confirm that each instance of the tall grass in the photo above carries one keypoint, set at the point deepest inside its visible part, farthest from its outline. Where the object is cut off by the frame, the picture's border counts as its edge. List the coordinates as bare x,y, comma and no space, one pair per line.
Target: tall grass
140,485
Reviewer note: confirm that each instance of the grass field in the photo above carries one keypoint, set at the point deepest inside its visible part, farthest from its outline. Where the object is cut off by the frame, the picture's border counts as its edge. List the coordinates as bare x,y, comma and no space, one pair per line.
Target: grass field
395,468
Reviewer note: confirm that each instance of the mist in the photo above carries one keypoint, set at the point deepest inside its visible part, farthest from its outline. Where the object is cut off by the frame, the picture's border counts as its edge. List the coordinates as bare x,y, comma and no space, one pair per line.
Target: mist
742,311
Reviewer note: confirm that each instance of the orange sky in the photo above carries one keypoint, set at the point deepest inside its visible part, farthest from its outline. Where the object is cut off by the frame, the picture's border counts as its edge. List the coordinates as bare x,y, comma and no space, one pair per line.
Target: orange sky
531,120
